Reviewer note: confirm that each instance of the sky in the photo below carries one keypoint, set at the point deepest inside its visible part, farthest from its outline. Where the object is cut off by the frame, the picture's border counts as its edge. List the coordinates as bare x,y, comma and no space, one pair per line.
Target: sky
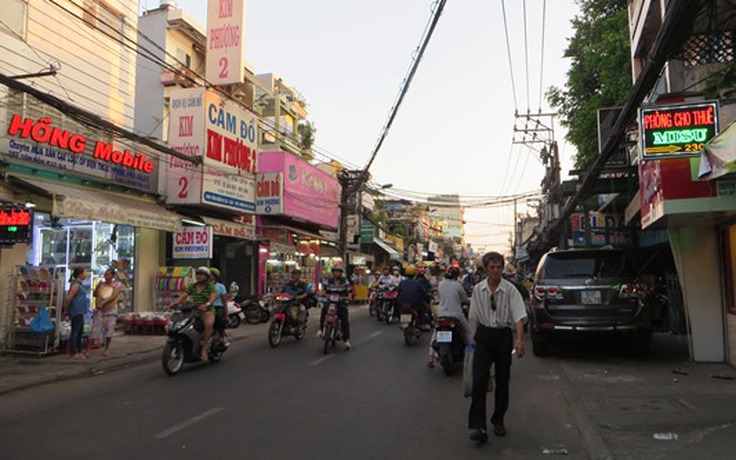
454,131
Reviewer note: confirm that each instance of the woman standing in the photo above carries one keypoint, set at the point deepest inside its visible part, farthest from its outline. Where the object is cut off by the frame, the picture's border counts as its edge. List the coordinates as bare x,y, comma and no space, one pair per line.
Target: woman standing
107,295
76,303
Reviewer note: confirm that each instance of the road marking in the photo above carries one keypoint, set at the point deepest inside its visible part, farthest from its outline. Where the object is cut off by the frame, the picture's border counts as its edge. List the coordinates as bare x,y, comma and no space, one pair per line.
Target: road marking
375,334
176,428
322,359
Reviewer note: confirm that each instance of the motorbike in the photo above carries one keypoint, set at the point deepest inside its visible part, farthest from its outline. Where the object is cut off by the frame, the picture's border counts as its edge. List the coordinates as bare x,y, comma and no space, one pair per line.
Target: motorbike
373,303
290,319
389,305
232,308
448,343
257,310
408,324
184,341
332,326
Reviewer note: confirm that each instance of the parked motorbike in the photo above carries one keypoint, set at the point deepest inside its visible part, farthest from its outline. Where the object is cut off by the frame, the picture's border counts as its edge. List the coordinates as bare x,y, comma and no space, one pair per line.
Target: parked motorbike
448,343
184,341
233,309
258,310
290,319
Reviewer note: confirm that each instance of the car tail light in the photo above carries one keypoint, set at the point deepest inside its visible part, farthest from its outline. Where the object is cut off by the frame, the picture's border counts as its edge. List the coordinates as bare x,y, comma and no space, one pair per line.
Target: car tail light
548,292
629,291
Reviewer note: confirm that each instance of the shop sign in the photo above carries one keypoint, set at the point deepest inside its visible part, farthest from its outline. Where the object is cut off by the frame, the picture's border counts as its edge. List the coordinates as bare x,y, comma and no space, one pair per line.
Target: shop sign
726,188
193,243
224,135
309,193
676,131
269,193
432,247
225,38
232,229
41,144
16,225
367,232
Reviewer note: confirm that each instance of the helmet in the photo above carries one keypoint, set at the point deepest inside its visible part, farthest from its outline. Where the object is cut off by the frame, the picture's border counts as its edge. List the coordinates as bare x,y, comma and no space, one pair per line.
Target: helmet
203,271
215,271
396,269
338,268
421,271
452,271
410,270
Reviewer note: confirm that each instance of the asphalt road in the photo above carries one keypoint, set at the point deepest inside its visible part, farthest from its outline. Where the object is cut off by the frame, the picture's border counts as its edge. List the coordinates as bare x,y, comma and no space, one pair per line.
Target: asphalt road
375,401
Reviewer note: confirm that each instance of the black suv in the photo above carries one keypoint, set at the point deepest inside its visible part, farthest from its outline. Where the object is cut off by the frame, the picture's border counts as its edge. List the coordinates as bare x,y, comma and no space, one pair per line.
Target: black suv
580,291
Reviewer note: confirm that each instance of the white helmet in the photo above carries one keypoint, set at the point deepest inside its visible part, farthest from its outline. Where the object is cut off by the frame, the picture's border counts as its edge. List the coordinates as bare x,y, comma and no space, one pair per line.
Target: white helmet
203,271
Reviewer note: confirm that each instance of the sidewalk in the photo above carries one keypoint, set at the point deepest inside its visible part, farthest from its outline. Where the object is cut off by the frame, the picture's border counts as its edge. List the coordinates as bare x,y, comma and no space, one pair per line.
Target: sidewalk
18,372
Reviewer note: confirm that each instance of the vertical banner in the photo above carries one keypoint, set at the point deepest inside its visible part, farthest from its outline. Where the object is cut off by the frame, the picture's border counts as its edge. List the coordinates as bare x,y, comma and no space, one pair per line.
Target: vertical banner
225,37
186,135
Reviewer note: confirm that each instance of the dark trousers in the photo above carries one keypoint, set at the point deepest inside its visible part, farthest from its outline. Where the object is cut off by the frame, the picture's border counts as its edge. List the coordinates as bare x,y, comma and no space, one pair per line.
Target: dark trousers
342,314
492,346
220,320
75,337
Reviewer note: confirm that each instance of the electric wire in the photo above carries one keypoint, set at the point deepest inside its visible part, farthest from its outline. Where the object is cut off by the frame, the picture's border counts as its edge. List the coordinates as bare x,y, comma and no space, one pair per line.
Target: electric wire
526,57
508,54
541,53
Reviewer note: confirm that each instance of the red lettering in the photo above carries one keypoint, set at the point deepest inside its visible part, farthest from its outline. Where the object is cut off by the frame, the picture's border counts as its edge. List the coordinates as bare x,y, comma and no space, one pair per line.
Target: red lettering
226,8
103,151
24,126
148,167
186,125
214,145
77,143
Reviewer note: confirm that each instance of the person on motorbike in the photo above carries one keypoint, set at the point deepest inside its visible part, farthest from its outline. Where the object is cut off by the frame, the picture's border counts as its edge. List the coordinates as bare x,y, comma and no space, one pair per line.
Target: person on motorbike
337,283
452,301
202,292
412,294
376,281
220,305
297,289
386,279
396,277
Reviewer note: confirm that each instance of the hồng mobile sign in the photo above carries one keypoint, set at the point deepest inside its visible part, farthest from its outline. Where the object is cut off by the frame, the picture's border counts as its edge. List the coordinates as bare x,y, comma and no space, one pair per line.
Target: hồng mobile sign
225,37
193,243
677,131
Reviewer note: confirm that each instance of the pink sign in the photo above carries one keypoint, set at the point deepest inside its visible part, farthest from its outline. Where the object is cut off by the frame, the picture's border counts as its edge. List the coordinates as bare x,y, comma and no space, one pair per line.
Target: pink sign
309,193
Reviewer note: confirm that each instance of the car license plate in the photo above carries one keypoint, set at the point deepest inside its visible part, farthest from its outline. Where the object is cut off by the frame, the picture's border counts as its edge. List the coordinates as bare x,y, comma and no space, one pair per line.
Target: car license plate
444,336
591,297
406,319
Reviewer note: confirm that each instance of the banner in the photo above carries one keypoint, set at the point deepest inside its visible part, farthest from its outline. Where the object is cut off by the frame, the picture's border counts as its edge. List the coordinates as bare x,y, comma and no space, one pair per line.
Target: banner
192,243
225,40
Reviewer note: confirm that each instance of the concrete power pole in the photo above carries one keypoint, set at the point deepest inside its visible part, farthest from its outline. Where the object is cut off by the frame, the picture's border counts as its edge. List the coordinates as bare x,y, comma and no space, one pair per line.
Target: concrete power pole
350,189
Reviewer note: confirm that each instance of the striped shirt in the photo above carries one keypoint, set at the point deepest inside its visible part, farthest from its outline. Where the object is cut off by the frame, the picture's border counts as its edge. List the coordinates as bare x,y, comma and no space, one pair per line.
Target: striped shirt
509,310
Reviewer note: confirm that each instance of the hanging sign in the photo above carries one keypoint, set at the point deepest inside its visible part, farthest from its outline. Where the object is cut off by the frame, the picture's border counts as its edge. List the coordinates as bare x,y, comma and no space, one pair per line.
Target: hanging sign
193,243
16,225
677,131
225,63
269,193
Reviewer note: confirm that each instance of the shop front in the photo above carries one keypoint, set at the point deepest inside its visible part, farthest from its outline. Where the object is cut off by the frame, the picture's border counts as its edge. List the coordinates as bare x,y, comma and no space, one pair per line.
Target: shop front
235,252
299,211
93,202
696,215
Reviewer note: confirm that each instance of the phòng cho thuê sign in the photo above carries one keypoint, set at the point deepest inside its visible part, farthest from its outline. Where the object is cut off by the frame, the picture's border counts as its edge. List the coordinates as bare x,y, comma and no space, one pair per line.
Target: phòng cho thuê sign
676,131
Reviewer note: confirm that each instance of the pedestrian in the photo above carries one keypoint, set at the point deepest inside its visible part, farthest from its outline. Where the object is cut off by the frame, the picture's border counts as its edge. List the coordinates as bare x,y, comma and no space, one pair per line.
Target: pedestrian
496,312
107,296
76,304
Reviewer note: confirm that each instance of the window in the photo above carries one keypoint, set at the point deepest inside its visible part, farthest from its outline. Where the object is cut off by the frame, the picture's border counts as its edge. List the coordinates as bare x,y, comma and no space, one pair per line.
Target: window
586,264
184,57
100,16
14,18
712,48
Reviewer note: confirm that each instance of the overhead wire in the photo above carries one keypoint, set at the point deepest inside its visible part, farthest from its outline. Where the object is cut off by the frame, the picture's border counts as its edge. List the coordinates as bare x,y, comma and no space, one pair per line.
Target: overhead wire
541,53
508,54
526,57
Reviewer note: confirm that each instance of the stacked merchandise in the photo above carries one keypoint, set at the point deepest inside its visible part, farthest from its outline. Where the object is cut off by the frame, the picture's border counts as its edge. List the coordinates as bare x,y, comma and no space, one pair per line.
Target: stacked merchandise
35,289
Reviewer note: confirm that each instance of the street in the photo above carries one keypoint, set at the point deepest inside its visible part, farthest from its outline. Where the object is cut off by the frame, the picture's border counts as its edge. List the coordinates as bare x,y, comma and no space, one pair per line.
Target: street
375,401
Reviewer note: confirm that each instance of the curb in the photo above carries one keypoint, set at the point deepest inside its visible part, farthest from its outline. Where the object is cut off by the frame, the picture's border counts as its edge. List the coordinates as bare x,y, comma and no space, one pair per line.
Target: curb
130,360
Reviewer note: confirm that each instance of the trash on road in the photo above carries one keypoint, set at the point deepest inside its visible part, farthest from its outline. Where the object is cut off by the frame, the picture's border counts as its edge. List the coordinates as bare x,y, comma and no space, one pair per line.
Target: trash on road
723,377
555,451
666,436
680,372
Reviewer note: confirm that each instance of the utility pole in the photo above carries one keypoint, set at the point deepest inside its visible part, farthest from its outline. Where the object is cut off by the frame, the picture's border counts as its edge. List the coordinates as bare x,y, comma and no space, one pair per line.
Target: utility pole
350,189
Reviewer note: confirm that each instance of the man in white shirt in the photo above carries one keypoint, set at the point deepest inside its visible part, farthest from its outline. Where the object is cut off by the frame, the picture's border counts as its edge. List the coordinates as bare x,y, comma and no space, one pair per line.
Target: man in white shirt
496,311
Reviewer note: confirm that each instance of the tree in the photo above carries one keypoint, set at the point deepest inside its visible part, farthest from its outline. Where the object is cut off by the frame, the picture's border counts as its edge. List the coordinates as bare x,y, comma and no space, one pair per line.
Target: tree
599,74
306,132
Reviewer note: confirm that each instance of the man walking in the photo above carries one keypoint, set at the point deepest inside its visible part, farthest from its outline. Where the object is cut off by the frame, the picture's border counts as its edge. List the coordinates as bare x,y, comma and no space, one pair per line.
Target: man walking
496,310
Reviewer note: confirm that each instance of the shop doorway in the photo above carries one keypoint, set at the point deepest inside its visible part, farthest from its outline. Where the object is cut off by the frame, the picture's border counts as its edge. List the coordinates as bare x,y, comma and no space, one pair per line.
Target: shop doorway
237,261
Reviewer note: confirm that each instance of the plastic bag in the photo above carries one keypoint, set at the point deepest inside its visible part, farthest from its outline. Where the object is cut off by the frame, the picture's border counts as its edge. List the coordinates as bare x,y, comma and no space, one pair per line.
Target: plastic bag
468,371
42,322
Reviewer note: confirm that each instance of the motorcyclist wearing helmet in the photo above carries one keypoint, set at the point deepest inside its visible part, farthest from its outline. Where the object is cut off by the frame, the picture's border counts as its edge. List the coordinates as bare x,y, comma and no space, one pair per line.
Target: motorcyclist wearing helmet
412,294
220,304
386,279
338,284
452,299
203,293
396,277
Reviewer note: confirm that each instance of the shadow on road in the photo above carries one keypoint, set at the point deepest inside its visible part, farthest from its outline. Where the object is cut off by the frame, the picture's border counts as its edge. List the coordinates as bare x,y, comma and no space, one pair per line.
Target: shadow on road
665,348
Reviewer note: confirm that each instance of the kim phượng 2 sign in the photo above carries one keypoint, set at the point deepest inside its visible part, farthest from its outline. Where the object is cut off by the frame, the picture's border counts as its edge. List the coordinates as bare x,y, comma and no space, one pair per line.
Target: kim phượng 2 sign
676,131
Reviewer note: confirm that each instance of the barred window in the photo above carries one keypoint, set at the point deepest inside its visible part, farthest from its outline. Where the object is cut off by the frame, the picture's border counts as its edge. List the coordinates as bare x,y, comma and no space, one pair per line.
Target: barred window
708,49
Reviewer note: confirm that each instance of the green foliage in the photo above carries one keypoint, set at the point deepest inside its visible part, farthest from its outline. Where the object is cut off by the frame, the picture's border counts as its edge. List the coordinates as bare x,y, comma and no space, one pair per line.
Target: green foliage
599,74
306,132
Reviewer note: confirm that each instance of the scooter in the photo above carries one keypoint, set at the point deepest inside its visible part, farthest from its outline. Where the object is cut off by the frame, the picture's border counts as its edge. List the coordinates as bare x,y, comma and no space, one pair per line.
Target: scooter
233,310
408,324
184,341
257,310
290,319
332,326
389,305
448,343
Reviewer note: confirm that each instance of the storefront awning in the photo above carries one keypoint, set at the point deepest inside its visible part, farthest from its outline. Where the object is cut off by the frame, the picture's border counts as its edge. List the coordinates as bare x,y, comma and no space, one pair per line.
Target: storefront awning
718,158
392,253
96,205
